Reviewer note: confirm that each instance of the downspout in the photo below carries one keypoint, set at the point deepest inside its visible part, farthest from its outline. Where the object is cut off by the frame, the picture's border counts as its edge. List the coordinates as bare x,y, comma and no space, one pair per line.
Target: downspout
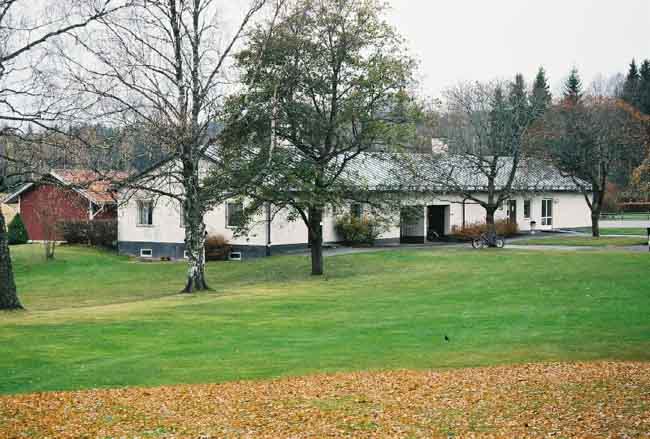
268,229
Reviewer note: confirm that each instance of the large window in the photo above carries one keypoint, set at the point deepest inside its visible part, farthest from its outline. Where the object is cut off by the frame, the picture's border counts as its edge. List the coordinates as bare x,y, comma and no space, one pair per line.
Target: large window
527,209
234,214
145,213
547,212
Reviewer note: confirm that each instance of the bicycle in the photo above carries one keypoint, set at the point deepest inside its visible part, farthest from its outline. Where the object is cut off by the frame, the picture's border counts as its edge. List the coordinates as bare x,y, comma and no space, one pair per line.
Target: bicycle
484,241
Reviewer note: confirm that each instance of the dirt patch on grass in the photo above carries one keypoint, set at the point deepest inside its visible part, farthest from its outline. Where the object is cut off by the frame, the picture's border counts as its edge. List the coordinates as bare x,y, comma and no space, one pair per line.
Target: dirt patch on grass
558,400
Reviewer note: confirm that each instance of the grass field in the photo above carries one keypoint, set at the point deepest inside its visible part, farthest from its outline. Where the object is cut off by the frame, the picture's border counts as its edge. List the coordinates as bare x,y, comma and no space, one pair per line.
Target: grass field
584,241
98,320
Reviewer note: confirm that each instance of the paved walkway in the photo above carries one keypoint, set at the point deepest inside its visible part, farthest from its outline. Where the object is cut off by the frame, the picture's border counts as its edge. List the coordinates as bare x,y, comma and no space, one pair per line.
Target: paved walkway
624,224
510,245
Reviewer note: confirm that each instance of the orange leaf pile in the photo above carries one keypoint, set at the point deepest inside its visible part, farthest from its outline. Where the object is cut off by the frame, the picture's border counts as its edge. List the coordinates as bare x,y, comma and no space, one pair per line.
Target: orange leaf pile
587,400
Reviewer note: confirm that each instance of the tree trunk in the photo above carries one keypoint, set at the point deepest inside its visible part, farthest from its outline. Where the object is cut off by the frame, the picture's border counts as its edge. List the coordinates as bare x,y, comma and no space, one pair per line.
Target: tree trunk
8,295
316,240
194,230
195,248
491,226
595,224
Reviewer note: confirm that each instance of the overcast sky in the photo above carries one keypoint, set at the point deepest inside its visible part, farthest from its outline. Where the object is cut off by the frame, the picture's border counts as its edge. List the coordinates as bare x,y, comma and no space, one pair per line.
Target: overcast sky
487,39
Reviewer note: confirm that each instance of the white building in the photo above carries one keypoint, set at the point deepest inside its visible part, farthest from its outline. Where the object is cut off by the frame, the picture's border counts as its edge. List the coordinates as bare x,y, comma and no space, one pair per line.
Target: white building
152,226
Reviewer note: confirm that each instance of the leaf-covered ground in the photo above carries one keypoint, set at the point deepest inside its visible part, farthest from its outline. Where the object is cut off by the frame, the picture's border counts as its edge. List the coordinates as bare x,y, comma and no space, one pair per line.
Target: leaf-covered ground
587,400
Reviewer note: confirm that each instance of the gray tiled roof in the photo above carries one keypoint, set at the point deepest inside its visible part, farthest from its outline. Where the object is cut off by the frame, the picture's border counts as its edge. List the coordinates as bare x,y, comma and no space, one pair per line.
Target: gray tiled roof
424,172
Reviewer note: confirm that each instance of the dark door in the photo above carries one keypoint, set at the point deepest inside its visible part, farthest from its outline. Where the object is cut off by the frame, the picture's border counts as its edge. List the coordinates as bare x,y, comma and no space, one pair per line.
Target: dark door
436,222
512,211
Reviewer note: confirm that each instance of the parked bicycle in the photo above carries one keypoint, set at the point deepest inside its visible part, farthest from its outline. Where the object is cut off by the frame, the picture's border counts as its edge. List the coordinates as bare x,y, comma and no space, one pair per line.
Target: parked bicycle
484,241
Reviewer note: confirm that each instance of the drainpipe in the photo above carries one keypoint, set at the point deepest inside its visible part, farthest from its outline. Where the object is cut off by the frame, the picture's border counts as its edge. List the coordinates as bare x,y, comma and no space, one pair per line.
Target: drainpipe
268,229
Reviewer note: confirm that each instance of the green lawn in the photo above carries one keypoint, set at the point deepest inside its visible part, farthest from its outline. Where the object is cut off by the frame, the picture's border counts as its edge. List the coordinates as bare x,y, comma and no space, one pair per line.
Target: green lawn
97,320
584,241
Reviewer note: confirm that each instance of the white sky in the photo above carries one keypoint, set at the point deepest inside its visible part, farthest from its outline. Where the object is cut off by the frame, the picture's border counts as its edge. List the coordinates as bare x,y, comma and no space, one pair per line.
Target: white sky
486,39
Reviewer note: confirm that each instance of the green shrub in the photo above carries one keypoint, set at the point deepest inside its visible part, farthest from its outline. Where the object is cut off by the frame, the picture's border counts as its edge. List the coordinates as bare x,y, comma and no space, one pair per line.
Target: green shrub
472,230
17,231
98,233
357,231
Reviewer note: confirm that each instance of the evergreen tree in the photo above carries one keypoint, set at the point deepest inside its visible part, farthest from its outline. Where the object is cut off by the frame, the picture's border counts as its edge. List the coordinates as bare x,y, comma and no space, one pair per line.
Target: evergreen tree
541,97
644,88
573,88
631,85
17,232
519,101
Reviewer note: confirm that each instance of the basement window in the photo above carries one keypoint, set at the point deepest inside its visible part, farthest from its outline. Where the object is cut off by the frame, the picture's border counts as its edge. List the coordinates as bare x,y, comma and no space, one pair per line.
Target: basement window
146,253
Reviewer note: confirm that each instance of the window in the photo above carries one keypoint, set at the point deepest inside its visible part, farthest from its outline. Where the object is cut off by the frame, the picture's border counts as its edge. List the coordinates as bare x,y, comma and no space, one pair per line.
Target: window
234,214
145,213
146,253
356,210
182,215
547,212
527,209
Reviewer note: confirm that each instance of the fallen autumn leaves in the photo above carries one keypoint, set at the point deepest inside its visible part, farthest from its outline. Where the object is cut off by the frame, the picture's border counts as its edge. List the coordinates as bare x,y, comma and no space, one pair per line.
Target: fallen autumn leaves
559,400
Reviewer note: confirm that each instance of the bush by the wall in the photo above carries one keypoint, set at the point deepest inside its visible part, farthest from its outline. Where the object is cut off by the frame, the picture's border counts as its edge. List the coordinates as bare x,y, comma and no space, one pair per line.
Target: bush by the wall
357,231
98,233
103,233
472,230
17,232
75,232
217,248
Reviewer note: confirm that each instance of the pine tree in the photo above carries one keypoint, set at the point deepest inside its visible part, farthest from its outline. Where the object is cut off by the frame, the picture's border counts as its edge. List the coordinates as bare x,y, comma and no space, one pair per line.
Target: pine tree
631,85
644,88
573,88
540,97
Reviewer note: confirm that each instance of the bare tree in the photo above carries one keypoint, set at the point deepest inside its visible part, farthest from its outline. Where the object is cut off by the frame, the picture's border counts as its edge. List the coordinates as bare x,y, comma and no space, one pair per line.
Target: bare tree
163,66
29,95
485,129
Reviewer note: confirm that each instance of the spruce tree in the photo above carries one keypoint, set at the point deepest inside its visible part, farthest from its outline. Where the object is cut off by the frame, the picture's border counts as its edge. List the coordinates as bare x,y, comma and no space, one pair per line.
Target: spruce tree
631,85
540,97
573,88
519,101
644,88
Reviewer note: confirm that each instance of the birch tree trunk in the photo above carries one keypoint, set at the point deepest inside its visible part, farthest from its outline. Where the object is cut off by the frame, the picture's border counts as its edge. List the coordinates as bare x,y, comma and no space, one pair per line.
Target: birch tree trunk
8,295
194,227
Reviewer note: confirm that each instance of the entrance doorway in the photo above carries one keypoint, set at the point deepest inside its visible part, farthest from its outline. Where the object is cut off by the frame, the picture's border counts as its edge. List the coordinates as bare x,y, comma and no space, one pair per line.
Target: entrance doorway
512,211
436,222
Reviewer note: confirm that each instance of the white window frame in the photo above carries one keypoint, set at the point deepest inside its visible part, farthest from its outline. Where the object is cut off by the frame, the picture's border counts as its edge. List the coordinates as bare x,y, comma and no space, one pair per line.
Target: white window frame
547,220
143,250
228,203
140,204
528,215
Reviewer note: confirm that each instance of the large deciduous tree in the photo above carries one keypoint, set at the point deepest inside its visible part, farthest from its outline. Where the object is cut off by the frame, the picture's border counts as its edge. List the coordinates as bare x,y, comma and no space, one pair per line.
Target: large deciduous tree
29,95
333,85
588,140
162,66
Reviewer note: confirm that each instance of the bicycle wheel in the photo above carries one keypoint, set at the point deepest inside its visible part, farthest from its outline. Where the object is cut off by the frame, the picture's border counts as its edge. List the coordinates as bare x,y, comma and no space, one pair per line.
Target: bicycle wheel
500,242
477,243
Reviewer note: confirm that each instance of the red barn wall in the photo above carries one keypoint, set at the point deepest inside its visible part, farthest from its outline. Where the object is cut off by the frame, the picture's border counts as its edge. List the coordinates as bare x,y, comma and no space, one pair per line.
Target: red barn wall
41,207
